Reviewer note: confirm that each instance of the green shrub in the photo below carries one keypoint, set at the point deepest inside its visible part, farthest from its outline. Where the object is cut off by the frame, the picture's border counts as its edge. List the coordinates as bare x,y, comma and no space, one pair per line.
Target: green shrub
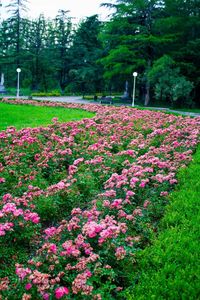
54,93
88,97
169,84
22,92
169,269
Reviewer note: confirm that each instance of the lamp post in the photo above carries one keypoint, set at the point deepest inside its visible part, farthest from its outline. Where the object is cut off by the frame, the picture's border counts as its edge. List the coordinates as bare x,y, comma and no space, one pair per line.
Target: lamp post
18,72
134,80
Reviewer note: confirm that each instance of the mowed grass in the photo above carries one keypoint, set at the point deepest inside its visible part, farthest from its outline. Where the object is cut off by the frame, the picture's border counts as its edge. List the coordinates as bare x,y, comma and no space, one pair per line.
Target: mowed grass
170,268
22,116
194,110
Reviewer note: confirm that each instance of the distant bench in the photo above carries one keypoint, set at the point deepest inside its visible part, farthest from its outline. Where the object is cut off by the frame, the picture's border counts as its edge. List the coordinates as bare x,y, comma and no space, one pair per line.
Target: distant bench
106,100
120,100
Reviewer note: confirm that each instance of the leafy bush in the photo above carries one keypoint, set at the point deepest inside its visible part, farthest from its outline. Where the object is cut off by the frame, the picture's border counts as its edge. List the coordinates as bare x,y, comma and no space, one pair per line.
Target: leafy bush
55,93
169,84
23,91
89,97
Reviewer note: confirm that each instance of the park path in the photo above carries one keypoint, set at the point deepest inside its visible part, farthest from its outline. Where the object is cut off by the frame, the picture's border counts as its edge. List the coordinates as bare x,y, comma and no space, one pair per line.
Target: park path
66,99
78,99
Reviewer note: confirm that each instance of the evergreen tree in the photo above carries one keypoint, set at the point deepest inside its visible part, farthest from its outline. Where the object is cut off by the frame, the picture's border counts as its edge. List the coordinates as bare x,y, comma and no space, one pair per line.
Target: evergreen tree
36,60
97,56
16,8
63,29
182,22
134,40
86,48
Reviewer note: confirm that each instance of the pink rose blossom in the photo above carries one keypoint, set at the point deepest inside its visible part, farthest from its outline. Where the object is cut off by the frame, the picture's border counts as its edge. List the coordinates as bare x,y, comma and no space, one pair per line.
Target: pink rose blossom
61,291
28,286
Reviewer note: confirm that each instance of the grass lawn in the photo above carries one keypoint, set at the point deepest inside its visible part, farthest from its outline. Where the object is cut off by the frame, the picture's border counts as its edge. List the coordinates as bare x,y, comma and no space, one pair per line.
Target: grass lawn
194,110
22,116
170,268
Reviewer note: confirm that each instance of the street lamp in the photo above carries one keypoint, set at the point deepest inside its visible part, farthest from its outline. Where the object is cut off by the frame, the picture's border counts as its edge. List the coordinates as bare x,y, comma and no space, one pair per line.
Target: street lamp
134,75
18,72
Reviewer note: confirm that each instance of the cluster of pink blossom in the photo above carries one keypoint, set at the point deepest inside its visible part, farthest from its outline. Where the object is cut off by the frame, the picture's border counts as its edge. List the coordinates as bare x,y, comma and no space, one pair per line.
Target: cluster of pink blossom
116,167
15,216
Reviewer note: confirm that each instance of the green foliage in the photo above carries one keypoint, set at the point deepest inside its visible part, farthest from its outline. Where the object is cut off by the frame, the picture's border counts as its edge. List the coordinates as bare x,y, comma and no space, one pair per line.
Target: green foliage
95,56
144,31
89,97
55,93
85,75
169,269
181,90
23,91
169,84
160,67
133,42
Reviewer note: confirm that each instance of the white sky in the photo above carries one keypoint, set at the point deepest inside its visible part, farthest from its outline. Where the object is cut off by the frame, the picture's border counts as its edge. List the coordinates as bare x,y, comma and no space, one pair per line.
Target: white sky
78,8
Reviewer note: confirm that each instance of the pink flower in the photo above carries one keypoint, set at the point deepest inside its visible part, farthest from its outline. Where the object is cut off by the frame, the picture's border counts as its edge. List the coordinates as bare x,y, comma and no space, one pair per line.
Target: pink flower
88,273
9,207
143,183
33,217
28,286
60,185
7,197
2,232
116,203
54,120
22,272
61,291
106,203
72,169
133,181
120,253
45,296
130,193
164,193
110,193
2,180
76,211
53,248
50,231
146,203
137,212
78,161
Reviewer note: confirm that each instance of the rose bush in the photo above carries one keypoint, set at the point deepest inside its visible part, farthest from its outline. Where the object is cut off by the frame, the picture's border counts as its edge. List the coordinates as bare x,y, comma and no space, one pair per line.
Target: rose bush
79,199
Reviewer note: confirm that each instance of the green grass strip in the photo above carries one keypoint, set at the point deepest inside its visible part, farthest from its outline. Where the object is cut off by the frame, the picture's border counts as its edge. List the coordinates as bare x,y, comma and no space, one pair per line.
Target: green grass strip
22,116
195,110
170,268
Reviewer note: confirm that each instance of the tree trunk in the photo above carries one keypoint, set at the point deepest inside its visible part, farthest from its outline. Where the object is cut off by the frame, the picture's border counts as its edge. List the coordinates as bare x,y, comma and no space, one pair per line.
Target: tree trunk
147,94
147,85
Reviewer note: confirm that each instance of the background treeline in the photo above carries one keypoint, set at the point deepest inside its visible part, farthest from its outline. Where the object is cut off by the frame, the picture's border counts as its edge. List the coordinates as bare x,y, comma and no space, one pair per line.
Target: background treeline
160,39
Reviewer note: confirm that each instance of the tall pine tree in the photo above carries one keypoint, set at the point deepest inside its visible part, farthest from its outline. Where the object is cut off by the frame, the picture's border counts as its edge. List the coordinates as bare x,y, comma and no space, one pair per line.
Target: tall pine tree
134,41
16,9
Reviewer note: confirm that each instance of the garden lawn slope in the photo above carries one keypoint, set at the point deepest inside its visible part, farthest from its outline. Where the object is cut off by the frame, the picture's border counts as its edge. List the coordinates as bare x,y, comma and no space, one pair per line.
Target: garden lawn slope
79,200
170,269
22,116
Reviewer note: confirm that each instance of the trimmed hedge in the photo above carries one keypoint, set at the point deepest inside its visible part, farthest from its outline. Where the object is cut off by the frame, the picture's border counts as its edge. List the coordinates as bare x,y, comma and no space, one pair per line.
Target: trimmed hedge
170,268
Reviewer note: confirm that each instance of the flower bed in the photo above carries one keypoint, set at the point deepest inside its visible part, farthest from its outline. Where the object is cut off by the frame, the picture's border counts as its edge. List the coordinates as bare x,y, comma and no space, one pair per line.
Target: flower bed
79,199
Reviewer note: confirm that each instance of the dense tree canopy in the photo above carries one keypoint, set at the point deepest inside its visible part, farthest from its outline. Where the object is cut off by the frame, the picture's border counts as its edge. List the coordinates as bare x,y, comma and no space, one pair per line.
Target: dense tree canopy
94,56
